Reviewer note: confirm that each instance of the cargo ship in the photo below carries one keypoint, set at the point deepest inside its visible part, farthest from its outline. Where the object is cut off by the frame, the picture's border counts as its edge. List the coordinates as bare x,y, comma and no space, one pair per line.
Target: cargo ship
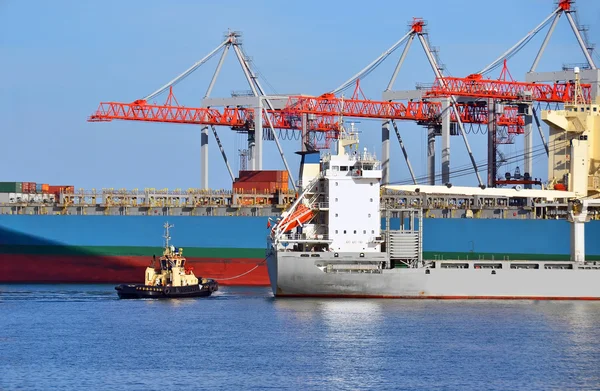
330,241
109,236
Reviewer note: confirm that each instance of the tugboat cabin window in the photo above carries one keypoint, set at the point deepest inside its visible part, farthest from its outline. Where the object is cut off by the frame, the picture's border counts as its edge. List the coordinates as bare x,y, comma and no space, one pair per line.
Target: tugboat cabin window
163,264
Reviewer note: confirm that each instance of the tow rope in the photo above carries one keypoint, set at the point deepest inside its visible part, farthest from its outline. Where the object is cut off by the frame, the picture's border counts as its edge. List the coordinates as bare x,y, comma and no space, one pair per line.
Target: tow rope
243,274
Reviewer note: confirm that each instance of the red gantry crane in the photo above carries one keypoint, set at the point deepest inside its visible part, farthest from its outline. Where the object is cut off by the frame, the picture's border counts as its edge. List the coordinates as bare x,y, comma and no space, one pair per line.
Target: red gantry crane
515,98
449,100
240,117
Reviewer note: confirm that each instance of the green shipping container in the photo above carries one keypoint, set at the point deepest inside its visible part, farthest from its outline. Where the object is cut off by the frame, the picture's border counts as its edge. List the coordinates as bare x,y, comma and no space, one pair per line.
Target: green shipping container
11,187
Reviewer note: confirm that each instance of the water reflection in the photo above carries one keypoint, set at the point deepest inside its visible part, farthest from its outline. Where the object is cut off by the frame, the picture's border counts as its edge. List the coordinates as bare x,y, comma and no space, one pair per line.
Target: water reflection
344,336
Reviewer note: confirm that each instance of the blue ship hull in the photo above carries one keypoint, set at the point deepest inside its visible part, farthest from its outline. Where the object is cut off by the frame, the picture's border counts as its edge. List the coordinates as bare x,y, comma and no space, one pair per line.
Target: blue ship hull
29,244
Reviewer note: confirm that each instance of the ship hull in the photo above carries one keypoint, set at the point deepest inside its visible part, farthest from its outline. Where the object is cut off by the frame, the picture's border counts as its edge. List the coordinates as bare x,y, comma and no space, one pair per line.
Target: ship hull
231,249
117,249
293,275
32,268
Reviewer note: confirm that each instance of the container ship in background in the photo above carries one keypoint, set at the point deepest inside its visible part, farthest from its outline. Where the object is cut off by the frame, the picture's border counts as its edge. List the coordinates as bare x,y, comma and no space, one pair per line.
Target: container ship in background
110,236
56,234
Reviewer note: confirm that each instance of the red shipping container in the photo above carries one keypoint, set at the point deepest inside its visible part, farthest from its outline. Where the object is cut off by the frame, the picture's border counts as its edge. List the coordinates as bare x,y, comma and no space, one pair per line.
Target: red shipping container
262,176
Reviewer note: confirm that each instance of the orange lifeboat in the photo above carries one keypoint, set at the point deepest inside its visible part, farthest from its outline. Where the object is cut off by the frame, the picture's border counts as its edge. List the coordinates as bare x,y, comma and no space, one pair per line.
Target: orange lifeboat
301,215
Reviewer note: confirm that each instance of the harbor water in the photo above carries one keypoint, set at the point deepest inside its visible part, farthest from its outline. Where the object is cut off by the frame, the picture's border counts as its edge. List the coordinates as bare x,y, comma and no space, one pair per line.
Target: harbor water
78,337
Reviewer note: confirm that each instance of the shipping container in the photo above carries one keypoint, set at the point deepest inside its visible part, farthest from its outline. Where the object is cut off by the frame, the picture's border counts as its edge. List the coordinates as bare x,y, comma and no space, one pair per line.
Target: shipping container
278,176
11,187
29,187
35,198
255,187
21,197
48,198
56,189
41,188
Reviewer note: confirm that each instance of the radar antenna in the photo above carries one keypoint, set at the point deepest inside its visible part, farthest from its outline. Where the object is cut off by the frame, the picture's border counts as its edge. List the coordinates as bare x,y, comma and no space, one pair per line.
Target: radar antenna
166,236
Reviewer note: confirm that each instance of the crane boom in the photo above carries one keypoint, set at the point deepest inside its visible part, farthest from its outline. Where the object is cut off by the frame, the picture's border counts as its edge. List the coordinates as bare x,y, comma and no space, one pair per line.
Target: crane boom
421,111
476,87
172,112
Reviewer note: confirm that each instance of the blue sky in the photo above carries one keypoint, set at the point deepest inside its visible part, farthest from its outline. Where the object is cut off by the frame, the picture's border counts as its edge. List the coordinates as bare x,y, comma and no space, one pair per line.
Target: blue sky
61,58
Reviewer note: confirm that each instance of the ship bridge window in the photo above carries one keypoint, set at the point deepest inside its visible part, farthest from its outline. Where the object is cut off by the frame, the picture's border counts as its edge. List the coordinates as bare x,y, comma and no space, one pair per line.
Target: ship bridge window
335,168
343,168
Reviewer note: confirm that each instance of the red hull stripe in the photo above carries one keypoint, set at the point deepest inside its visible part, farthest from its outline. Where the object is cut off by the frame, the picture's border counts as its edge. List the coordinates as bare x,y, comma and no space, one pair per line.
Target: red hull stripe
28,268
442,297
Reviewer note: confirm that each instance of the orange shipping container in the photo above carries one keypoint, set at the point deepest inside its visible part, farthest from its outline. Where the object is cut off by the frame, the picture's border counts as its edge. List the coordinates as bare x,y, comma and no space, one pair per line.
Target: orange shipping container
255,187
57,189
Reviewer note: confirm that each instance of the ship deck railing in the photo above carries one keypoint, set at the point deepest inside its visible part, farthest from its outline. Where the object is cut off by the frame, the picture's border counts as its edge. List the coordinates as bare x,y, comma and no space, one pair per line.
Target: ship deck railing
303,238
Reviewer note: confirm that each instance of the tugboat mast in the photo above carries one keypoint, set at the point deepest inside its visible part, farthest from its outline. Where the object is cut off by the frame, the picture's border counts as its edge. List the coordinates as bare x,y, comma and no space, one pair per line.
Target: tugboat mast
166,235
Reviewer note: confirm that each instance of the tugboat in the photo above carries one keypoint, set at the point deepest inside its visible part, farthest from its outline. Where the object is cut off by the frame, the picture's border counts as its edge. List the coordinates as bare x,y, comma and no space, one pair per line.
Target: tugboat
170,278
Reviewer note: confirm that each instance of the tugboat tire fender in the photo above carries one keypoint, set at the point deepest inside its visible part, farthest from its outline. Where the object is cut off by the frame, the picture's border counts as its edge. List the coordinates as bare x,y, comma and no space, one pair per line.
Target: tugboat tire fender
167,291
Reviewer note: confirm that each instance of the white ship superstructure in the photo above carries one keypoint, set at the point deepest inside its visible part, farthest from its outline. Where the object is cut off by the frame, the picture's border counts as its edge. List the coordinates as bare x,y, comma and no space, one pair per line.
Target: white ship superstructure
330,243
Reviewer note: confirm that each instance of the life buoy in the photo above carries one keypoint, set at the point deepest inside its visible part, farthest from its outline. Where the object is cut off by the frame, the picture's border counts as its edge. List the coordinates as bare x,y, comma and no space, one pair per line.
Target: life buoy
358,172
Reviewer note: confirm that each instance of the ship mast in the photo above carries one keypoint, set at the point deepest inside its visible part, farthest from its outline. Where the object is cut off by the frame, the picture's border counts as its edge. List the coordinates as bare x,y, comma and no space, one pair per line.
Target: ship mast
578,97
166,235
